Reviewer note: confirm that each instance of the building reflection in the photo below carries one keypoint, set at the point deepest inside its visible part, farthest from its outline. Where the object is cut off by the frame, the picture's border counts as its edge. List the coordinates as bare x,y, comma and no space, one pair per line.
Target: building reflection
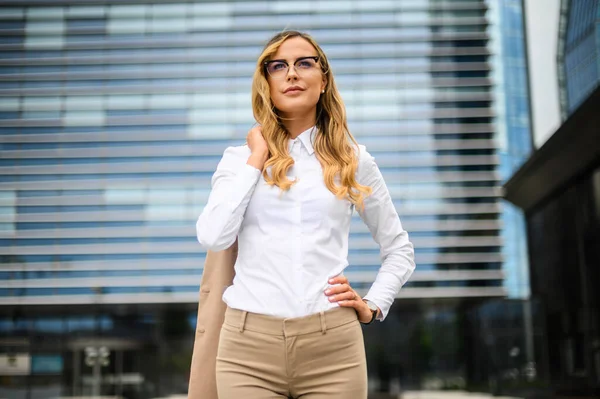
435,344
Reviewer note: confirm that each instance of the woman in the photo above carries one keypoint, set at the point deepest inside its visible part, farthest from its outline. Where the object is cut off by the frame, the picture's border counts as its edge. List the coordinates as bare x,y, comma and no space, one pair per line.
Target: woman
292,320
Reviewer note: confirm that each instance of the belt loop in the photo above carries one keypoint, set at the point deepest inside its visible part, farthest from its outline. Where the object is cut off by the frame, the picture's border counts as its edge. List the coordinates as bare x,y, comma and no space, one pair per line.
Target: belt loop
323,326
243,321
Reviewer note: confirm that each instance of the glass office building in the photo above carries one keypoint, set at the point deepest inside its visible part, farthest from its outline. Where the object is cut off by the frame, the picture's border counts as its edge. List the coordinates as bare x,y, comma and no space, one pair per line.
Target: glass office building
578,52
114,115
559,190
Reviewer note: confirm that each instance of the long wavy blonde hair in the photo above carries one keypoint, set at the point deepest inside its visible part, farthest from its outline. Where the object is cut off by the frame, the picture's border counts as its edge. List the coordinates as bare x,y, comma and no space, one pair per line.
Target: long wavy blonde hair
334,144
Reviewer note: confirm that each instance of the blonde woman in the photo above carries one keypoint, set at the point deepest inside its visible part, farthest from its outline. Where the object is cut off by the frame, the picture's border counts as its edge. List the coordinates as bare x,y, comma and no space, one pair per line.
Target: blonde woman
292,326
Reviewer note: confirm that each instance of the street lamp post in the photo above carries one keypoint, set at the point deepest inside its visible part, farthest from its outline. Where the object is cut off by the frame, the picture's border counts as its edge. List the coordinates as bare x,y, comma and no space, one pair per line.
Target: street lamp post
96,357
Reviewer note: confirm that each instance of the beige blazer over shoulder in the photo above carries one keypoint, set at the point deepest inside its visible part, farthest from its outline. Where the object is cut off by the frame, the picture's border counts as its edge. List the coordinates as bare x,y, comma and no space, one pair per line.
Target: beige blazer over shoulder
218,274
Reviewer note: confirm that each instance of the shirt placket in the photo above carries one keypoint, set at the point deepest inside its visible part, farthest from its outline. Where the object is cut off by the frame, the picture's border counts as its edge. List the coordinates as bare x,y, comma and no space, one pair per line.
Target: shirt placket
297,233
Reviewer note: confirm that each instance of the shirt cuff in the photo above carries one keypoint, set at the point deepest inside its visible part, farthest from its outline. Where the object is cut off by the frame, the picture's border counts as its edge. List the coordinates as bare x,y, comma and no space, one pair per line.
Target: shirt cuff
381,315
250,171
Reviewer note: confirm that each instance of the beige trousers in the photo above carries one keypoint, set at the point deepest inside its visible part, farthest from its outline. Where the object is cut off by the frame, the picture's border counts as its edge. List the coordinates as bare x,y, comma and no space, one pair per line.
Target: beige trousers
321,356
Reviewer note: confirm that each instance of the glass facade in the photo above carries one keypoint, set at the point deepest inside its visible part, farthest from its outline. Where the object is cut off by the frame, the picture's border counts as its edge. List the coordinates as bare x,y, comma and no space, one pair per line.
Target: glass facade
513,134
564,233
563,215
114,116
579,52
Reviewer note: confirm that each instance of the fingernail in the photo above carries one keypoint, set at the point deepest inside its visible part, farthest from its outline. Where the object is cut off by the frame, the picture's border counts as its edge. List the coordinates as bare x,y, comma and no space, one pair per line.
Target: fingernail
331,299
327,292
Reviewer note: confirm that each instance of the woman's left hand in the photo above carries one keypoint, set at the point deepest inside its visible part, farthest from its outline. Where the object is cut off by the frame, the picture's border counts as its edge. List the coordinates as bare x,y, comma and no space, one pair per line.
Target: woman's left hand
342,293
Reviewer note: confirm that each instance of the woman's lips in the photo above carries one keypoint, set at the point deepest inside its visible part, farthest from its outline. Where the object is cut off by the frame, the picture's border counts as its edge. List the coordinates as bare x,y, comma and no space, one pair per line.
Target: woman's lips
293,91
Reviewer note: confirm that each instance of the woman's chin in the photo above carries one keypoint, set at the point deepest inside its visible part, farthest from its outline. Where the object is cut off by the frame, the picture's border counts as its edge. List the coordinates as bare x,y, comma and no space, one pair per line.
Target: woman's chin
295,108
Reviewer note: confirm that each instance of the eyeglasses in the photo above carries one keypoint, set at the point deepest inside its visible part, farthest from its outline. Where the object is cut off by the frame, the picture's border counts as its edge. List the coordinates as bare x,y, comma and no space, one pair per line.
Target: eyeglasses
280,68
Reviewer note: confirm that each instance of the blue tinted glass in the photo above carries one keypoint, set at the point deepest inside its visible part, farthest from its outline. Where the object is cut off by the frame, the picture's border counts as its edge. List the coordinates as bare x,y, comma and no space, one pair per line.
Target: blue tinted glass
49,325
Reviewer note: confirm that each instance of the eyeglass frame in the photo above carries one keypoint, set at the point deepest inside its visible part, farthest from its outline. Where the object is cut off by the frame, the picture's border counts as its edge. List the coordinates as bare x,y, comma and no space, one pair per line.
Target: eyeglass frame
316,58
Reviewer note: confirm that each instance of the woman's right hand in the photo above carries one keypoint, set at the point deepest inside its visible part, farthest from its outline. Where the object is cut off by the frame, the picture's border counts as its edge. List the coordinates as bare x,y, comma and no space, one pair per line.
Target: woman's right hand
258,148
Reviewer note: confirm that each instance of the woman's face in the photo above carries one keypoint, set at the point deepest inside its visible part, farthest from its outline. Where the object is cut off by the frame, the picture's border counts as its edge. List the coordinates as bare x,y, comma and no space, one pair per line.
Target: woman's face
295,89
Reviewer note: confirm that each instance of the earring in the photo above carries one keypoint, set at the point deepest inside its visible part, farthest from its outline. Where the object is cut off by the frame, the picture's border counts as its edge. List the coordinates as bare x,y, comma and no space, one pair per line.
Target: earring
322,91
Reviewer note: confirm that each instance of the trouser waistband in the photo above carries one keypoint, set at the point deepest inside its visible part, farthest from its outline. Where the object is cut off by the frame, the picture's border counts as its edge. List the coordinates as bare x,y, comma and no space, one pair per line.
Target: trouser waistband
271,325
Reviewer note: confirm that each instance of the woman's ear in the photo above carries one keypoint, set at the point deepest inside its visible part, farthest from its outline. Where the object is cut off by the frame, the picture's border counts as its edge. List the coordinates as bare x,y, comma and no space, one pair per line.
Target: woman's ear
323,83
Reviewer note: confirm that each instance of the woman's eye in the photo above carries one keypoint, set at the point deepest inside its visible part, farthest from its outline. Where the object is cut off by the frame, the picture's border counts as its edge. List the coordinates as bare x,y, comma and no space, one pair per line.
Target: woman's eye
278,65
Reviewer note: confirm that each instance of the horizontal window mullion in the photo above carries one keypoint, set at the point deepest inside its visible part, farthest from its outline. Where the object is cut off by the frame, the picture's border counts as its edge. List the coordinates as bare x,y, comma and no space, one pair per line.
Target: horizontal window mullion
100,216
144,135
192,297
234,71
191,68
184,280
341,51
148,231
241,118
157,8
230,85
146,263
355,97
249,31
151,248
357,242
461,179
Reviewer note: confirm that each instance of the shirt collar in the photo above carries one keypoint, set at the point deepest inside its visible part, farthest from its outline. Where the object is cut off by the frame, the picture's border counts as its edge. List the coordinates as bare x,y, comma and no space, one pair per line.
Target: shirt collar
306,138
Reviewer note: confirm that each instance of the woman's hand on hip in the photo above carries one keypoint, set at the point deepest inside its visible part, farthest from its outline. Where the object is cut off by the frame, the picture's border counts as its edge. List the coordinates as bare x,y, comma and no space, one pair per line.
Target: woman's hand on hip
342,293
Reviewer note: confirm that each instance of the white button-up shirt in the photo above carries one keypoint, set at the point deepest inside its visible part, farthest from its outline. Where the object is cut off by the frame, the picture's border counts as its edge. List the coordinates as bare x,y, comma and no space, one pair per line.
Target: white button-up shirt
290,243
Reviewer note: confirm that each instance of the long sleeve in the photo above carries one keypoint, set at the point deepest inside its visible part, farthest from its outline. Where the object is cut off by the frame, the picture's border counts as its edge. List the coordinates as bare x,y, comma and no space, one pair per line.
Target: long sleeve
232,186
396,251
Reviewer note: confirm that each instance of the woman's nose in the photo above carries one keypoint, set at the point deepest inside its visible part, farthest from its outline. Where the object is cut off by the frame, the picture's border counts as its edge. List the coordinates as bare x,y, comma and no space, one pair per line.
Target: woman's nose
291,73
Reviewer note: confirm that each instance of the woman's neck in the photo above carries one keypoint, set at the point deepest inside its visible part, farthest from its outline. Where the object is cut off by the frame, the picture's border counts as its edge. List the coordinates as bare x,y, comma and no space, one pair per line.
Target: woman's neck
295,125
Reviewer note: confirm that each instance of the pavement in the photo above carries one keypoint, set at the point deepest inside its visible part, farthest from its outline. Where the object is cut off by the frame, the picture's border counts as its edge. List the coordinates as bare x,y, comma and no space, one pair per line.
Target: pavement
421,395
449,395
